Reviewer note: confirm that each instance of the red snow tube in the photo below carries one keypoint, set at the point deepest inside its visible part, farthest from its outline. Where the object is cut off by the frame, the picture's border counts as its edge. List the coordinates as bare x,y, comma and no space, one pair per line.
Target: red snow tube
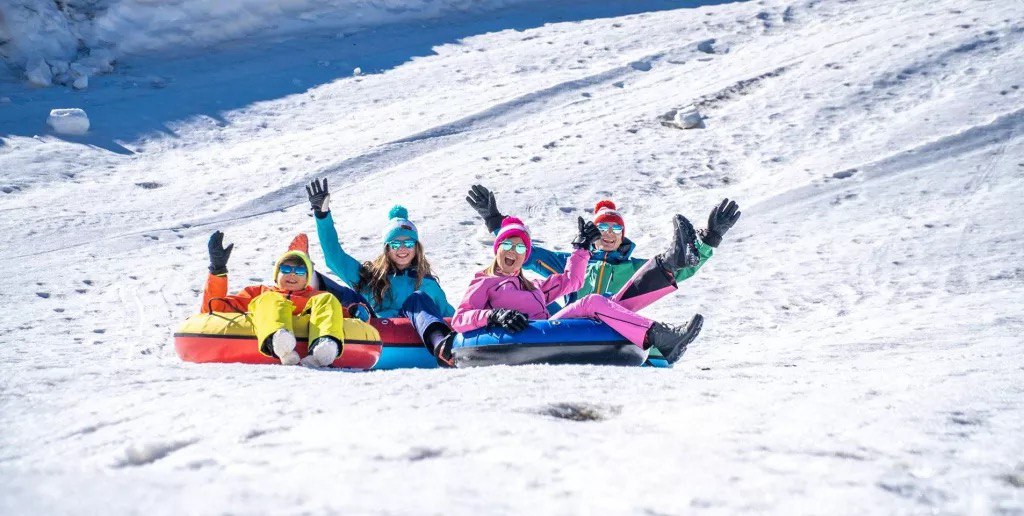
402,346
229,337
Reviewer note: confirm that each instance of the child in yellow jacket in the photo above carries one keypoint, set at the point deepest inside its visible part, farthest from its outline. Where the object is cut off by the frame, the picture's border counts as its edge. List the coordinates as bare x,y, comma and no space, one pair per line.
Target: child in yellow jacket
271,308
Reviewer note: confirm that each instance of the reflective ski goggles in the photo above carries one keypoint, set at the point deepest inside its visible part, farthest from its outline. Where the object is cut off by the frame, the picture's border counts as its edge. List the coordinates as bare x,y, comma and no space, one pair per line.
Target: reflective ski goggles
604,226
398,244
508,245
298,270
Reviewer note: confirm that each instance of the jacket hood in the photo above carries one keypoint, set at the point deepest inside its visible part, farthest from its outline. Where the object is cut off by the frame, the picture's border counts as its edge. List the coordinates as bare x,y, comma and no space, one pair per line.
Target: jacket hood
299,248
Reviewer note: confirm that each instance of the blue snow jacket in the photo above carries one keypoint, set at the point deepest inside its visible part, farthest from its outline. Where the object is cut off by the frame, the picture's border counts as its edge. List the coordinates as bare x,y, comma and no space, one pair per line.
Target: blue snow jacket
403,283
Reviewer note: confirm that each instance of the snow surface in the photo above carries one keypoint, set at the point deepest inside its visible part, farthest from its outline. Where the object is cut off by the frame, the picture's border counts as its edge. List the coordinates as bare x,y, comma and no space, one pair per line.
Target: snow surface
861,351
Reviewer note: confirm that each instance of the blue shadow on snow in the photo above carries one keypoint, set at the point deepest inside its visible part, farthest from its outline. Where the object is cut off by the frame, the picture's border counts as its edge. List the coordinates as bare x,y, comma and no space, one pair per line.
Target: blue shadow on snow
145,93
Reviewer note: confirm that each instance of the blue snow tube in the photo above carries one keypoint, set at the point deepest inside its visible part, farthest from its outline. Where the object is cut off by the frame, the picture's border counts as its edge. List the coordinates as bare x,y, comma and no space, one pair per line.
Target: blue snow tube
565,341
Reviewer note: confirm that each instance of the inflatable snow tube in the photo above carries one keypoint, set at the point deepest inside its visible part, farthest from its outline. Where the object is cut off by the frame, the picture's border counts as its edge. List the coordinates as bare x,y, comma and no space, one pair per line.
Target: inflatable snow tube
656,359
565,341
402,347
229,337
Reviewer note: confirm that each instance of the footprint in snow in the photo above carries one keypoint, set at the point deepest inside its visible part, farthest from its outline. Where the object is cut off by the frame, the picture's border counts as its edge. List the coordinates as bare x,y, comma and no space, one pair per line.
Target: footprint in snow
579,411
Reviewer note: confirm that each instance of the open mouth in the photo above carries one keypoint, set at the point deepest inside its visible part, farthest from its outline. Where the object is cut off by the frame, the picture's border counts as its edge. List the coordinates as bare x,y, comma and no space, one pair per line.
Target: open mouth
509,261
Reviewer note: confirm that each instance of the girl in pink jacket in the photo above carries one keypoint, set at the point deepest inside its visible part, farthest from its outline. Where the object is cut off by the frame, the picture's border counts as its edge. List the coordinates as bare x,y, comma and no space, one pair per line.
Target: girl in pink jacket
501,297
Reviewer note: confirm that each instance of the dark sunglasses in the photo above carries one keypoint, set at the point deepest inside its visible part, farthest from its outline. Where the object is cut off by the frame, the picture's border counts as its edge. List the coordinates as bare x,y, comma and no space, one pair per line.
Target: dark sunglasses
298,270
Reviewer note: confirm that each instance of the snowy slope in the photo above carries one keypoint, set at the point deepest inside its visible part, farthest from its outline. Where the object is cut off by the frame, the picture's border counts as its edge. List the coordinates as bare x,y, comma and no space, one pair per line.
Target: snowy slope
861,350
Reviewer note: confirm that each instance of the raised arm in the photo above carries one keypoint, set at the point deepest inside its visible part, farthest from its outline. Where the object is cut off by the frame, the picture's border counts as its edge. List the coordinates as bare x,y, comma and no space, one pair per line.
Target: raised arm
575,272
216,298
546,262
340,263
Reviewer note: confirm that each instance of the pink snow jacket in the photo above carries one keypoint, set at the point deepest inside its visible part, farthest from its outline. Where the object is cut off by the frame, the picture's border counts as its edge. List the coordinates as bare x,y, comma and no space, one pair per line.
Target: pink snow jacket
488,292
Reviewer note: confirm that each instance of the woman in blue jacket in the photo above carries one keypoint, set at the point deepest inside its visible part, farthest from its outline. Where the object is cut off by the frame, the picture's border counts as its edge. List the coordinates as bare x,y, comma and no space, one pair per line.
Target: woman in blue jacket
398,282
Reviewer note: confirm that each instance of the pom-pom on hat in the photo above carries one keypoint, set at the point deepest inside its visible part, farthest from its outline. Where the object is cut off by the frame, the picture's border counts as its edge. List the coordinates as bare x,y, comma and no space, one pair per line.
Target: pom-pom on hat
399,225
513,227
604,211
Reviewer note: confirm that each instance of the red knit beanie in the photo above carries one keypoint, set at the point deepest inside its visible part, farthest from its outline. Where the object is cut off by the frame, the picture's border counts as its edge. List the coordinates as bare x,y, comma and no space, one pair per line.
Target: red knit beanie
604,211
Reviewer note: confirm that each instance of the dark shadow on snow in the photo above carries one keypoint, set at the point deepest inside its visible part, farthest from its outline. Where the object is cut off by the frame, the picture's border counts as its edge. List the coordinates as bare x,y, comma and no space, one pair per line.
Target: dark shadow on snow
146,93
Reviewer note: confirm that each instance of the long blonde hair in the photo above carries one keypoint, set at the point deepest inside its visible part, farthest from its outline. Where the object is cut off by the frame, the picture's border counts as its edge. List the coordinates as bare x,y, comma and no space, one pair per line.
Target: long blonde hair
526,284
373,275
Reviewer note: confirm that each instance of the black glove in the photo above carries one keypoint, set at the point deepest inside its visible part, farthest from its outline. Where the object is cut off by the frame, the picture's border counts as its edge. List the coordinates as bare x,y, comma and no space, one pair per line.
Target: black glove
587,236
319,197
512,321
722,217
218,253
482,200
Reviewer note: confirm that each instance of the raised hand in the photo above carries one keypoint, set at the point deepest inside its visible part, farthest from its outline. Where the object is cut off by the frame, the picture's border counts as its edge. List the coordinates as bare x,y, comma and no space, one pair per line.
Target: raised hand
588,234
482,200
319,197
512,321
218,253
722,218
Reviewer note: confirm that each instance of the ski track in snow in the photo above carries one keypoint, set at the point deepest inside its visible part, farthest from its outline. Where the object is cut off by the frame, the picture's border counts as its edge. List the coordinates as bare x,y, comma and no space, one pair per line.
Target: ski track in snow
860,353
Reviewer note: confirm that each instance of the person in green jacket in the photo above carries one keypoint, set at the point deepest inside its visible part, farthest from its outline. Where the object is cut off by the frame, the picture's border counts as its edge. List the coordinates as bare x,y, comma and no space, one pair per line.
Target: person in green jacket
612,265
398,282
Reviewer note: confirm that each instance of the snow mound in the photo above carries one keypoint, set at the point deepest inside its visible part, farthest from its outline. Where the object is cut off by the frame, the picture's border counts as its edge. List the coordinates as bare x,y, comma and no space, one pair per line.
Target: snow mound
69,121
686,118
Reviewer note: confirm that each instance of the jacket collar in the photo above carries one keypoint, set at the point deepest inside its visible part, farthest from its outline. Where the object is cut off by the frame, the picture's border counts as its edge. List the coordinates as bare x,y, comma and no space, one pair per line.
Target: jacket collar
409,271
620,255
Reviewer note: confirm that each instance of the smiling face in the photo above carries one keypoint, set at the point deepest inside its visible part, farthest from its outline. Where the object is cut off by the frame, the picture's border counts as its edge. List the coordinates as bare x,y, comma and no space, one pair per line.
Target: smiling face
510,262
292,281
609,240
402,257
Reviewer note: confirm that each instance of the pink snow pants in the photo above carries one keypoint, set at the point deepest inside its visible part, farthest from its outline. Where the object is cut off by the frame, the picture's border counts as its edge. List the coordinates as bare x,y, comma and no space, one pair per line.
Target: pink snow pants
648,285
627,323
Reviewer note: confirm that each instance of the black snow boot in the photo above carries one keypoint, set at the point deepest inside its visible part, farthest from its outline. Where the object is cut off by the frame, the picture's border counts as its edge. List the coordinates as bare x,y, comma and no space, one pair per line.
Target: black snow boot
672,341
443,351
439,339
683,252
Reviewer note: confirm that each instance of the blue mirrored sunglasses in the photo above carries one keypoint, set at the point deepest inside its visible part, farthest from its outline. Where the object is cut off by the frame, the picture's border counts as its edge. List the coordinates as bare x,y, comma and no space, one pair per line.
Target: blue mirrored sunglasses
298,270
397,244
507,246
604,226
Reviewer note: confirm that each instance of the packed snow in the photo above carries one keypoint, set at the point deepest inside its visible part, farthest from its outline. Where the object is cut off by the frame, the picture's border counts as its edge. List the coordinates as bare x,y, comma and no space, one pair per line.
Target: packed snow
72,121
861,349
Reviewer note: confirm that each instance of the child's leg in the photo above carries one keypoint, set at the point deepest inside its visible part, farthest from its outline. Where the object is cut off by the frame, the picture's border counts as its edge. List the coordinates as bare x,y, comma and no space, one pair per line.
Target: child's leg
426,319
630,325
326,319
650,283
349,298
270,312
